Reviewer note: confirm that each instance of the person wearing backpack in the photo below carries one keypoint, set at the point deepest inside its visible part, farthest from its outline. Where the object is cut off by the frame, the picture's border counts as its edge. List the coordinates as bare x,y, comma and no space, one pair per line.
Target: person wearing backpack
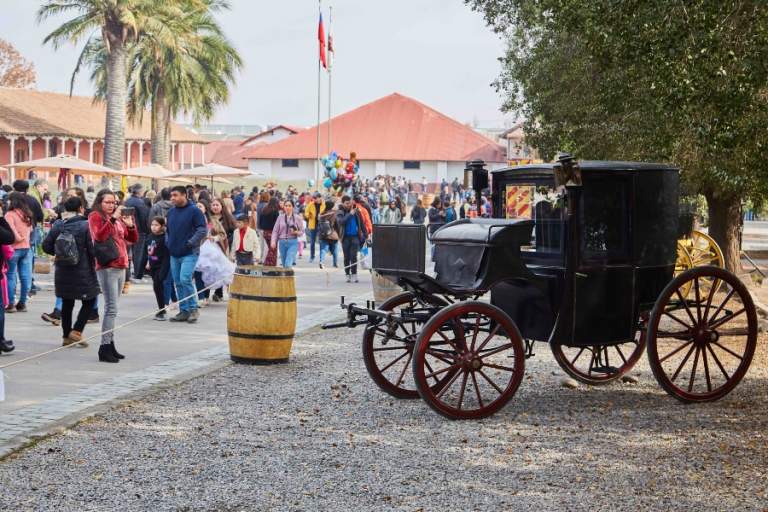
328,233
69,241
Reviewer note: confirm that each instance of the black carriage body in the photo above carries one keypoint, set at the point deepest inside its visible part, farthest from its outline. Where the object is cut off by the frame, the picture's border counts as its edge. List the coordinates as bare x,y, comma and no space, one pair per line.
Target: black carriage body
592,280
574,266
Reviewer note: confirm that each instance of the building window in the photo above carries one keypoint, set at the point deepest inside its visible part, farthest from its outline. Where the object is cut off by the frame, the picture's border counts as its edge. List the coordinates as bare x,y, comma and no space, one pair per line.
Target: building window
411,164
21,155
290,162
53,147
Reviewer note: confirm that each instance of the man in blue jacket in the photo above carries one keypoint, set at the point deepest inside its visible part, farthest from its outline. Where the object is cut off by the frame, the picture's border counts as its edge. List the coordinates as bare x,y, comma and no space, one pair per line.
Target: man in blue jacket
186,230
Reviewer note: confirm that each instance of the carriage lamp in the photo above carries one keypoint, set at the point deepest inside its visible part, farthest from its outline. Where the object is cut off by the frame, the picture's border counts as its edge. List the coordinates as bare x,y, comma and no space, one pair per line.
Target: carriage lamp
567,171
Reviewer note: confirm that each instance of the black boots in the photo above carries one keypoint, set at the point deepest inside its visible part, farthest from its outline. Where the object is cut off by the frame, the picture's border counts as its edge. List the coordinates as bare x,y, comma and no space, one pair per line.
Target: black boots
6,346
106,355
115,352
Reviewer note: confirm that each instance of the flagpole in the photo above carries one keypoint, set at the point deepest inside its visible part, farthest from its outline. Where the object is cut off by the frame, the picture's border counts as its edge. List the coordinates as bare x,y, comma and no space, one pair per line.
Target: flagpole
317,156
330,72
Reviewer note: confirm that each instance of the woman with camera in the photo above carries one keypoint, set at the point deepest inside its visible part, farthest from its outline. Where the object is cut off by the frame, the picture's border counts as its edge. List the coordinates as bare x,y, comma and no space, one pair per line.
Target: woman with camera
112,228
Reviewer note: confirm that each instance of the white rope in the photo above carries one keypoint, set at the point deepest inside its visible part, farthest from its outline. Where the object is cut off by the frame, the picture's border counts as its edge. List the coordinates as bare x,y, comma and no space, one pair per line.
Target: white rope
109,331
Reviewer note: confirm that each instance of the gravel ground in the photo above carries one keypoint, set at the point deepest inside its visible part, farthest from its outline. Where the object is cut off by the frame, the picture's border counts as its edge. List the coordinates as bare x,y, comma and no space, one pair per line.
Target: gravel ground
318,435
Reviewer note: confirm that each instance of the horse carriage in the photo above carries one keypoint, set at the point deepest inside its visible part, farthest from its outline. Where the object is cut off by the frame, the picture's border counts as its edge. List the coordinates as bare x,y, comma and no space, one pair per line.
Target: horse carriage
579,255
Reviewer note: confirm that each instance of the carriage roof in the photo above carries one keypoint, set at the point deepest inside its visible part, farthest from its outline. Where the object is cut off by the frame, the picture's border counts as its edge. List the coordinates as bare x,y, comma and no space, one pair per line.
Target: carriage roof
588,165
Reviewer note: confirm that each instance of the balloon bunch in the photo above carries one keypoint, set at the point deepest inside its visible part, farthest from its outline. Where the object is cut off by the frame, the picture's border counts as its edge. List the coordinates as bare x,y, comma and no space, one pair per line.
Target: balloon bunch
340,173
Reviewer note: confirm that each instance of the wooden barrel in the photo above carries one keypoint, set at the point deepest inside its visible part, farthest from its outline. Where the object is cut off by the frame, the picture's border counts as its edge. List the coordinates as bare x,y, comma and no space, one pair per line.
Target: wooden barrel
383,288
261,316
426,200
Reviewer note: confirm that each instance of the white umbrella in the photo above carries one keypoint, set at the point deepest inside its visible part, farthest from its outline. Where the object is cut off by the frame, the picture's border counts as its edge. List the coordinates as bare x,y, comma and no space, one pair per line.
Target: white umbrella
154,172
69,162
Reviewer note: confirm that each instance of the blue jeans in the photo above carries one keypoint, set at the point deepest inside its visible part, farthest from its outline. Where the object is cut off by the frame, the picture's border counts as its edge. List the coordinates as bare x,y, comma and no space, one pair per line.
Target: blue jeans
182,269
288,249
312,239
168,289
332,247
19,265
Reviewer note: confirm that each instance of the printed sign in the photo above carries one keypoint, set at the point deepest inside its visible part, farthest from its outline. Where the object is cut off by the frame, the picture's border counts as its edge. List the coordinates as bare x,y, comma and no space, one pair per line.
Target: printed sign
519,201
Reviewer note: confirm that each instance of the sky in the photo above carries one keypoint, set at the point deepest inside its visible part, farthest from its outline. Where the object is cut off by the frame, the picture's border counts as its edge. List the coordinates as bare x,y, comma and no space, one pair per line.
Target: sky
437,51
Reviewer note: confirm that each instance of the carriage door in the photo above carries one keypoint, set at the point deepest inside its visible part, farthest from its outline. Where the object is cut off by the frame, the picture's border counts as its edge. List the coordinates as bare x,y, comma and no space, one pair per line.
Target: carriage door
605,277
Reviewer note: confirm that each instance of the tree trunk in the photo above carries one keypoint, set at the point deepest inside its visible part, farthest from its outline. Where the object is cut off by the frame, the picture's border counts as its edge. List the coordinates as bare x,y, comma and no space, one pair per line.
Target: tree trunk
724,222
160,125
117,94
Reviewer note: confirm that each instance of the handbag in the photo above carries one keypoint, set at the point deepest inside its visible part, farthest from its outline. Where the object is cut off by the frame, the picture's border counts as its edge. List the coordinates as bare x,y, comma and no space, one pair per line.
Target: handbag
106,252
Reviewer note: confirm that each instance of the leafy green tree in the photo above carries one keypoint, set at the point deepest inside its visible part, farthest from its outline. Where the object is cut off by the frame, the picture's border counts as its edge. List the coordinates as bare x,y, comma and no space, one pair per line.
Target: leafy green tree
119,23
651,80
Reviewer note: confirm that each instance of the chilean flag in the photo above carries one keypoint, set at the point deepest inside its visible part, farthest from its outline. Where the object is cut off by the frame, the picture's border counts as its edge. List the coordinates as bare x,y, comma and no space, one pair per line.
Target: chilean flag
321,40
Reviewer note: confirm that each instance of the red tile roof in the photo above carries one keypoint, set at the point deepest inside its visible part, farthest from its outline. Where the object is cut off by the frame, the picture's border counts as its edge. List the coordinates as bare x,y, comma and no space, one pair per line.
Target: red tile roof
227,152
391,128
30,112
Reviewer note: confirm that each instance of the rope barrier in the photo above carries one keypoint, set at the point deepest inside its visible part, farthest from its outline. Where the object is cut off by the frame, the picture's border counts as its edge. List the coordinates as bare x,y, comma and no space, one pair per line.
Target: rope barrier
109,331
143,317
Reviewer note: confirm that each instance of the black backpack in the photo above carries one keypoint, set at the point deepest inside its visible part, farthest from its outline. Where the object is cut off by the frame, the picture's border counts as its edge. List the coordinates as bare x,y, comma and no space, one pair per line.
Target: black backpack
65,249
325,229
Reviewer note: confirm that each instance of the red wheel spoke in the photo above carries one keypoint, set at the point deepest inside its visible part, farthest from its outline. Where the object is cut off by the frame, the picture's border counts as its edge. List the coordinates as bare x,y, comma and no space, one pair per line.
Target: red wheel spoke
393,362
474,335
678,349
577,356
384,349
734,354
698,298
405,367
490,336
685,360
621,354
437,381
477,390
719,364
711,296
722,305
685,304
496,350
463,388
673,317
438,372
499,367
497,388
726,318
439,356
706,368
449,384
693,370
450,342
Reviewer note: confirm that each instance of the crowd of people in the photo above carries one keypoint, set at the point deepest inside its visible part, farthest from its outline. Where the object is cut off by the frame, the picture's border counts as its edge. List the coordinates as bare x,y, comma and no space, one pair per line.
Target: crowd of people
179,237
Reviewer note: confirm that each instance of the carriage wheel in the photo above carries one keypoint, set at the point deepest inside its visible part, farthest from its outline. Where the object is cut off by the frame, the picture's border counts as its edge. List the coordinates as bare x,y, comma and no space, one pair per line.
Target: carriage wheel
387,356
599,364
700,348
698,250
481,348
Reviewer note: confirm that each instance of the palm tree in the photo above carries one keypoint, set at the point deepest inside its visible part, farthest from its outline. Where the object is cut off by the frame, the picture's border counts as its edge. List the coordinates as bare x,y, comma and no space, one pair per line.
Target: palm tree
190,75
186,68
118,23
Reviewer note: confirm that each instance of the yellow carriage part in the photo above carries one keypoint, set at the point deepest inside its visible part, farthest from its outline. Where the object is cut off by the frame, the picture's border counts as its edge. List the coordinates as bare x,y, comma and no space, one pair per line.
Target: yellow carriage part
695,251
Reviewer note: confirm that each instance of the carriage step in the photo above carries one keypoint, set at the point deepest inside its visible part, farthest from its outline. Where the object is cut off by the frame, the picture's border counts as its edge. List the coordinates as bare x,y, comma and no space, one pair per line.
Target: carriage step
607,370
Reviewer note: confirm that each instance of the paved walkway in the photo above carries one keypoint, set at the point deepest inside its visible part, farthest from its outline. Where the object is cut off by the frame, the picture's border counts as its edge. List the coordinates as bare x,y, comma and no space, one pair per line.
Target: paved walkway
60,387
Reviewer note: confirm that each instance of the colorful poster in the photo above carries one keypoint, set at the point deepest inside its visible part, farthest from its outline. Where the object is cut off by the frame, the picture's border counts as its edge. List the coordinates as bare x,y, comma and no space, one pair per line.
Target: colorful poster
519,201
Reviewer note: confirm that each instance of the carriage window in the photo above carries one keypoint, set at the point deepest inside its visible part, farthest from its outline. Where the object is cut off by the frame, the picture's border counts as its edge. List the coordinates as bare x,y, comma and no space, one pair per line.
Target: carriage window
604,219
542,204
